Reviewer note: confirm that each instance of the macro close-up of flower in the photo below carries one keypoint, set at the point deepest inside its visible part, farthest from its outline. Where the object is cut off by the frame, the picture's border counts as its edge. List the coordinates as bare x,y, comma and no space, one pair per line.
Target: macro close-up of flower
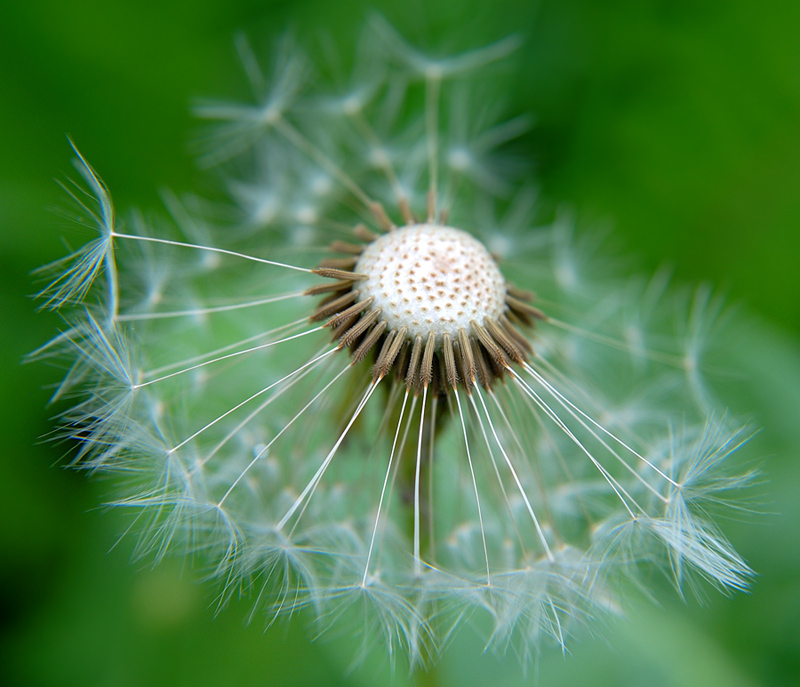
371,381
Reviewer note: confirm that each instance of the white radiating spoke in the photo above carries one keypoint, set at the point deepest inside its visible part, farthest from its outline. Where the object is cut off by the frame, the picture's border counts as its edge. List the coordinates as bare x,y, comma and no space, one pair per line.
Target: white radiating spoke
417,558
193,312
229,356
538,479
475,487
497,473
619,490
211,249
431,540
577,413
401,449
255,413
241,342
250,398
263,451
517,481
383,489
312,484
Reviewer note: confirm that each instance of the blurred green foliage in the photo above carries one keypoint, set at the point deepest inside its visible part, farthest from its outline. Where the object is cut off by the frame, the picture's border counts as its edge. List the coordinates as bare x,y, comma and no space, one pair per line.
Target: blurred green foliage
677,122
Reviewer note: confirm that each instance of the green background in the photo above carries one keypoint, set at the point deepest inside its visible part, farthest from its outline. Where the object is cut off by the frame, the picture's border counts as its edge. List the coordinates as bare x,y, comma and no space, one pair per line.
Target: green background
676,123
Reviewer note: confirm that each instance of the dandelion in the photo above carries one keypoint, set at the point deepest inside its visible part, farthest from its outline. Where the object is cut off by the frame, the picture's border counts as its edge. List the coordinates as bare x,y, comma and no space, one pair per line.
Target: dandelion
338,399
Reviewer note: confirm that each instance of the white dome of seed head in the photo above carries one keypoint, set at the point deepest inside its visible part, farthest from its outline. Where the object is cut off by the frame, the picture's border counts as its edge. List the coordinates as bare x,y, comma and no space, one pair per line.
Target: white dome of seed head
427,277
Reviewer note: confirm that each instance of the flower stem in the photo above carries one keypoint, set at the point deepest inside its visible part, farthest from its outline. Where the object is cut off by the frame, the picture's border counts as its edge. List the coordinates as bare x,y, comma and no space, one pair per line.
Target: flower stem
425,676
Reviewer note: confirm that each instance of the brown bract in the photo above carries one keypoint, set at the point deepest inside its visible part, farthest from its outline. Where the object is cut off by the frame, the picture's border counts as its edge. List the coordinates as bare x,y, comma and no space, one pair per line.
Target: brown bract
478,352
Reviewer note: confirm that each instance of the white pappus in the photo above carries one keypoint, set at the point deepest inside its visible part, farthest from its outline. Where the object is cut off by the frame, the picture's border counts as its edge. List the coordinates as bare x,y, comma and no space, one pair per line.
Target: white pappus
337,398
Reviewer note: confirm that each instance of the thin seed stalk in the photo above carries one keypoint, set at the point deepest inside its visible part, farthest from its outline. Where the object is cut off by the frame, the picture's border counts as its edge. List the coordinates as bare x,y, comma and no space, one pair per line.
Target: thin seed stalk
407,477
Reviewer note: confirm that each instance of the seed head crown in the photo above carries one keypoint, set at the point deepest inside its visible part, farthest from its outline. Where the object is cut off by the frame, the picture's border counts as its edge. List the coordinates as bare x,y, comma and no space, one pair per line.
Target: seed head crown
431,278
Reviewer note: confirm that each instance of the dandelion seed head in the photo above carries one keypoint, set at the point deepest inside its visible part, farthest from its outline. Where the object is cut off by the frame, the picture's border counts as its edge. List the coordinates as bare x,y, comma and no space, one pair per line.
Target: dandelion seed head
330,394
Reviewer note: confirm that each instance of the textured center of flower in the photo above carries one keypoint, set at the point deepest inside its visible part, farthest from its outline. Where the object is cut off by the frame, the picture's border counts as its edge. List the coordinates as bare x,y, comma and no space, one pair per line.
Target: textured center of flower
428,277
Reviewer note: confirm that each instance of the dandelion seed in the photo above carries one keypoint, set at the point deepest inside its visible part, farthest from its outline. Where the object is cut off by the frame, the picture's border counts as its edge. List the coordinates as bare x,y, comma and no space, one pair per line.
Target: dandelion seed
391,432
75,274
